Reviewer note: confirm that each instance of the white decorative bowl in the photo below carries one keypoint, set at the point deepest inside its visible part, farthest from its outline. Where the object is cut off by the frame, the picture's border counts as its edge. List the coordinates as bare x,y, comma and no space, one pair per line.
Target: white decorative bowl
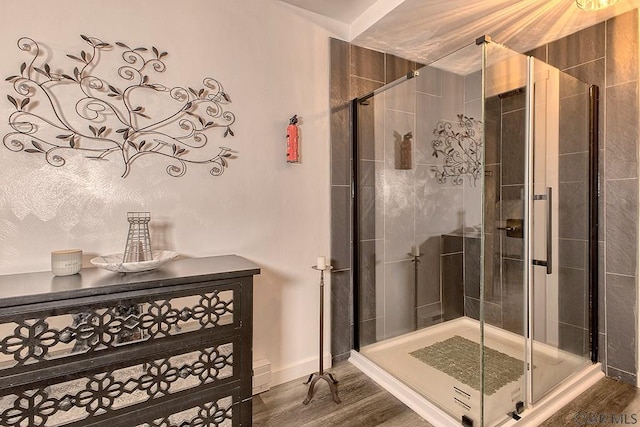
66,262
114,262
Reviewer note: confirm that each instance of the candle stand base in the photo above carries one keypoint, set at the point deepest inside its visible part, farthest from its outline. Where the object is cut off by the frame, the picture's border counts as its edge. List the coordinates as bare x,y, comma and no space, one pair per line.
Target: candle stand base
314,378
321,374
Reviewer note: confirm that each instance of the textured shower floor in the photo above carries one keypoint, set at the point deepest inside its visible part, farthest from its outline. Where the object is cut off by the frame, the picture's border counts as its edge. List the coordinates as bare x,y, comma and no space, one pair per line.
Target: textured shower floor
454,396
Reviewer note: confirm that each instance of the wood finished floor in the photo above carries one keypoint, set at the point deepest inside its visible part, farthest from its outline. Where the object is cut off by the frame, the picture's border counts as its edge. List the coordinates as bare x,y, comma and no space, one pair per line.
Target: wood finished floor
607,403
365,404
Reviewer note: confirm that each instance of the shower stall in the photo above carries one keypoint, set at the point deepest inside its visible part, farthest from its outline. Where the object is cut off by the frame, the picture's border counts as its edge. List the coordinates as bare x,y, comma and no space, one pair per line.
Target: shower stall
475,232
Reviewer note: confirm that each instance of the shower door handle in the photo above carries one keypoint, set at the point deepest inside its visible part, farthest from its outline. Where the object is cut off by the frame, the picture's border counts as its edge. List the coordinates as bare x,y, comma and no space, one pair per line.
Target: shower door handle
549,198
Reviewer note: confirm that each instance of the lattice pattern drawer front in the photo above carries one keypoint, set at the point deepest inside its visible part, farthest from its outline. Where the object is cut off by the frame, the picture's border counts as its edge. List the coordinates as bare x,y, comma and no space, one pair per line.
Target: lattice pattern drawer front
113,324
211,414
104,393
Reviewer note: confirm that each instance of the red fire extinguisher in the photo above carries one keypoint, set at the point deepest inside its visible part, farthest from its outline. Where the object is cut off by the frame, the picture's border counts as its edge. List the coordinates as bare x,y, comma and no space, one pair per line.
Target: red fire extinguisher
293,154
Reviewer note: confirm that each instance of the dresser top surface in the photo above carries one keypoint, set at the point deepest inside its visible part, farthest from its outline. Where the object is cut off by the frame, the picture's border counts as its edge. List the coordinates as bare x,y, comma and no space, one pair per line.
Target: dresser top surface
29,288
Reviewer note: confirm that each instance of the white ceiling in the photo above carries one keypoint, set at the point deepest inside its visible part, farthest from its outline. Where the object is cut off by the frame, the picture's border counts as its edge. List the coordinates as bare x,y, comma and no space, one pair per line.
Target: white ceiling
345,11
425,30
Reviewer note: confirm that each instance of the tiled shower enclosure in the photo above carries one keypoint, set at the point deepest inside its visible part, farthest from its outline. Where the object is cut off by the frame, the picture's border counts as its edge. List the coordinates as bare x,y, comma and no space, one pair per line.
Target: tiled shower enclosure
605,54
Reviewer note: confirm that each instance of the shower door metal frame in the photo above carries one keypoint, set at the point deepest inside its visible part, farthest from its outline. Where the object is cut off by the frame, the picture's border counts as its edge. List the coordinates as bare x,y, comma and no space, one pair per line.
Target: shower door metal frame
355,223
528,220
594,192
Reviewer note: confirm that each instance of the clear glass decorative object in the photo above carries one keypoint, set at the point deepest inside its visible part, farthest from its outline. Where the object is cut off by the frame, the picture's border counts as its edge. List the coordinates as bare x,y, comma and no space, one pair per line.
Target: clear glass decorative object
138,247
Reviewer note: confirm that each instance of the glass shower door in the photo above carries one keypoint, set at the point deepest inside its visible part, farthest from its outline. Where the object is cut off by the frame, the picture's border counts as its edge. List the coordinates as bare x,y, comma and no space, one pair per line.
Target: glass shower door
418,231
559,218
535,293
503,296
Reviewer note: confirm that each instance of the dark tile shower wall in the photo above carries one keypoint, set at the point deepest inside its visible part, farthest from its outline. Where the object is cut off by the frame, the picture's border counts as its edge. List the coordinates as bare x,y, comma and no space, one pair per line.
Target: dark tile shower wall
440,206
573,205
355,71
504,183
452,262
606,55
340,122
511,206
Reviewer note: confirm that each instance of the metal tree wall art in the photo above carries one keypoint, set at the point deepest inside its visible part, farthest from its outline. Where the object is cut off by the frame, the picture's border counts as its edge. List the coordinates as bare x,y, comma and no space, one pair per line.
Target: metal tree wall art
460,144
104,109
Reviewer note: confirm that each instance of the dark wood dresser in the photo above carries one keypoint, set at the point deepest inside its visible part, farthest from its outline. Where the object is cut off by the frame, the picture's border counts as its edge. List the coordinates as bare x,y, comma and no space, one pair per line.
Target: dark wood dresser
168,348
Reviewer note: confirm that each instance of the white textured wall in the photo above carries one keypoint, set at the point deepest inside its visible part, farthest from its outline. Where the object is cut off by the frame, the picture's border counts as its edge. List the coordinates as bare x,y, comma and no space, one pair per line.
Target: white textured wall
273,63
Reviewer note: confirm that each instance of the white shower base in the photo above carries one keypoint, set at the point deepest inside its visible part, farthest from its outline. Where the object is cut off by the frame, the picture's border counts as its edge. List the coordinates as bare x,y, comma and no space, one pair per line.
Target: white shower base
390,364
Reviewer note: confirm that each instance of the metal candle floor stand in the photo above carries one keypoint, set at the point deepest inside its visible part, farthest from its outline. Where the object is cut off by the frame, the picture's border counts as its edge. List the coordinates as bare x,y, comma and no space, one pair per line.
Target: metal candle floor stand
321,374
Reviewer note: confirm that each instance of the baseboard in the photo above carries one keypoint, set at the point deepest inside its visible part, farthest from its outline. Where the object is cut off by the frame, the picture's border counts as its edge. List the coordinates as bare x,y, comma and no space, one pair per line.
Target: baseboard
298,370
261,380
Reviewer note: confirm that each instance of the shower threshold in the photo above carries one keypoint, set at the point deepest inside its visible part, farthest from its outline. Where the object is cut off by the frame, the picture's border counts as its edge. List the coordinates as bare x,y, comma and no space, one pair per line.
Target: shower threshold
442,399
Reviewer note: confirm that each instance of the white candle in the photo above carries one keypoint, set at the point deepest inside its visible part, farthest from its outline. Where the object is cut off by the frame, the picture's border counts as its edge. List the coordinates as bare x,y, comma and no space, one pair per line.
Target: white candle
322,263
416,250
